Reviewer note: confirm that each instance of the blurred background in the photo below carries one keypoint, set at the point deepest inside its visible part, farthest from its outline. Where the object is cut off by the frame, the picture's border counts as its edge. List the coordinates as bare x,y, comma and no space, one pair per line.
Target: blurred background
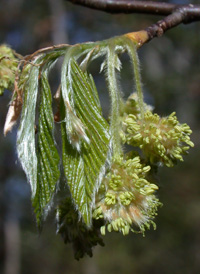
170,69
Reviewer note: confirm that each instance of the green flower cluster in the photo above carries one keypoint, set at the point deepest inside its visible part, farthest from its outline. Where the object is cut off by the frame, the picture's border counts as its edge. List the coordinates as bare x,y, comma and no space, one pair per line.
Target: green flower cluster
162,140
132,107
74,231
8,67
126,198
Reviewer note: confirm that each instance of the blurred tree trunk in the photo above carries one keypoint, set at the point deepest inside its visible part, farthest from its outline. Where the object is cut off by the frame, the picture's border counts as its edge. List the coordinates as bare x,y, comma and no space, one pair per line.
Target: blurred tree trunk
2,244
59,33
12,246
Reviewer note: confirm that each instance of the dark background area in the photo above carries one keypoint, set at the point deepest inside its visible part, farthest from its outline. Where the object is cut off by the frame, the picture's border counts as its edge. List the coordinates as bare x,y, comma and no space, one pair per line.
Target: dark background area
170,70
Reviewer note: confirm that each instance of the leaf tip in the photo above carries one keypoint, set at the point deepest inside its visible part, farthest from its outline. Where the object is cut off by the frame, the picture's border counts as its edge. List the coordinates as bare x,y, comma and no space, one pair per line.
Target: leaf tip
12,115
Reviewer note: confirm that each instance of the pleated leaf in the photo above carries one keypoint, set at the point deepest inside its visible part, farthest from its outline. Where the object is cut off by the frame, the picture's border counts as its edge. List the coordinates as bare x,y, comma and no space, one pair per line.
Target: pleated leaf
84,168
48,172
26,132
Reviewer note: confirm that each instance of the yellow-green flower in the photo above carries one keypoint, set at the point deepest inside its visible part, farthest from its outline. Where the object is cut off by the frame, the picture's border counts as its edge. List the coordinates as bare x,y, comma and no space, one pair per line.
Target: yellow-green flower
132,107
162,140
126,199
8,67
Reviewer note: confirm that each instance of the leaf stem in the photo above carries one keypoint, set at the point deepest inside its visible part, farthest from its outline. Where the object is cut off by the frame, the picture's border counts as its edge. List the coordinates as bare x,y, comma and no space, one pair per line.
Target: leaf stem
115,102
132,51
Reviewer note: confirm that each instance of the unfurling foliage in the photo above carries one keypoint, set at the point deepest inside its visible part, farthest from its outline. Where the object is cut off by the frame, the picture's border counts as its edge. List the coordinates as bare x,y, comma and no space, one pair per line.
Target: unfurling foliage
106,188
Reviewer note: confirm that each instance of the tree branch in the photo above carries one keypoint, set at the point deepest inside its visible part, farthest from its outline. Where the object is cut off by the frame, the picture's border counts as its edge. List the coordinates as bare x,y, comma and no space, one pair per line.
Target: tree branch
157,29
177,14
146,7
172,20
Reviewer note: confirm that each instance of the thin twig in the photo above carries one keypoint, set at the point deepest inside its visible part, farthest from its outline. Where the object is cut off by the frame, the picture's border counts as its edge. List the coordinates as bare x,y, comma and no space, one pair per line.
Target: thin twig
158,29
146,7
170,21
50,48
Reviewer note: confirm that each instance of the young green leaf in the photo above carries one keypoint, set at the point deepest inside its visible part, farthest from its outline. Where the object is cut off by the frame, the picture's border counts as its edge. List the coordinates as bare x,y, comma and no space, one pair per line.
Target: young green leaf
48,172
26,133
74,128
84,168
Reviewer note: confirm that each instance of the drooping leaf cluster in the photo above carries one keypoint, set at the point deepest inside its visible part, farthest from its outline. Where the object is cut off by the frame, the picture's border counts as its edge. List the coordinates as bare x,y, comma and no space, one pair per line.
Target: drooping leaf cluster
106,187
